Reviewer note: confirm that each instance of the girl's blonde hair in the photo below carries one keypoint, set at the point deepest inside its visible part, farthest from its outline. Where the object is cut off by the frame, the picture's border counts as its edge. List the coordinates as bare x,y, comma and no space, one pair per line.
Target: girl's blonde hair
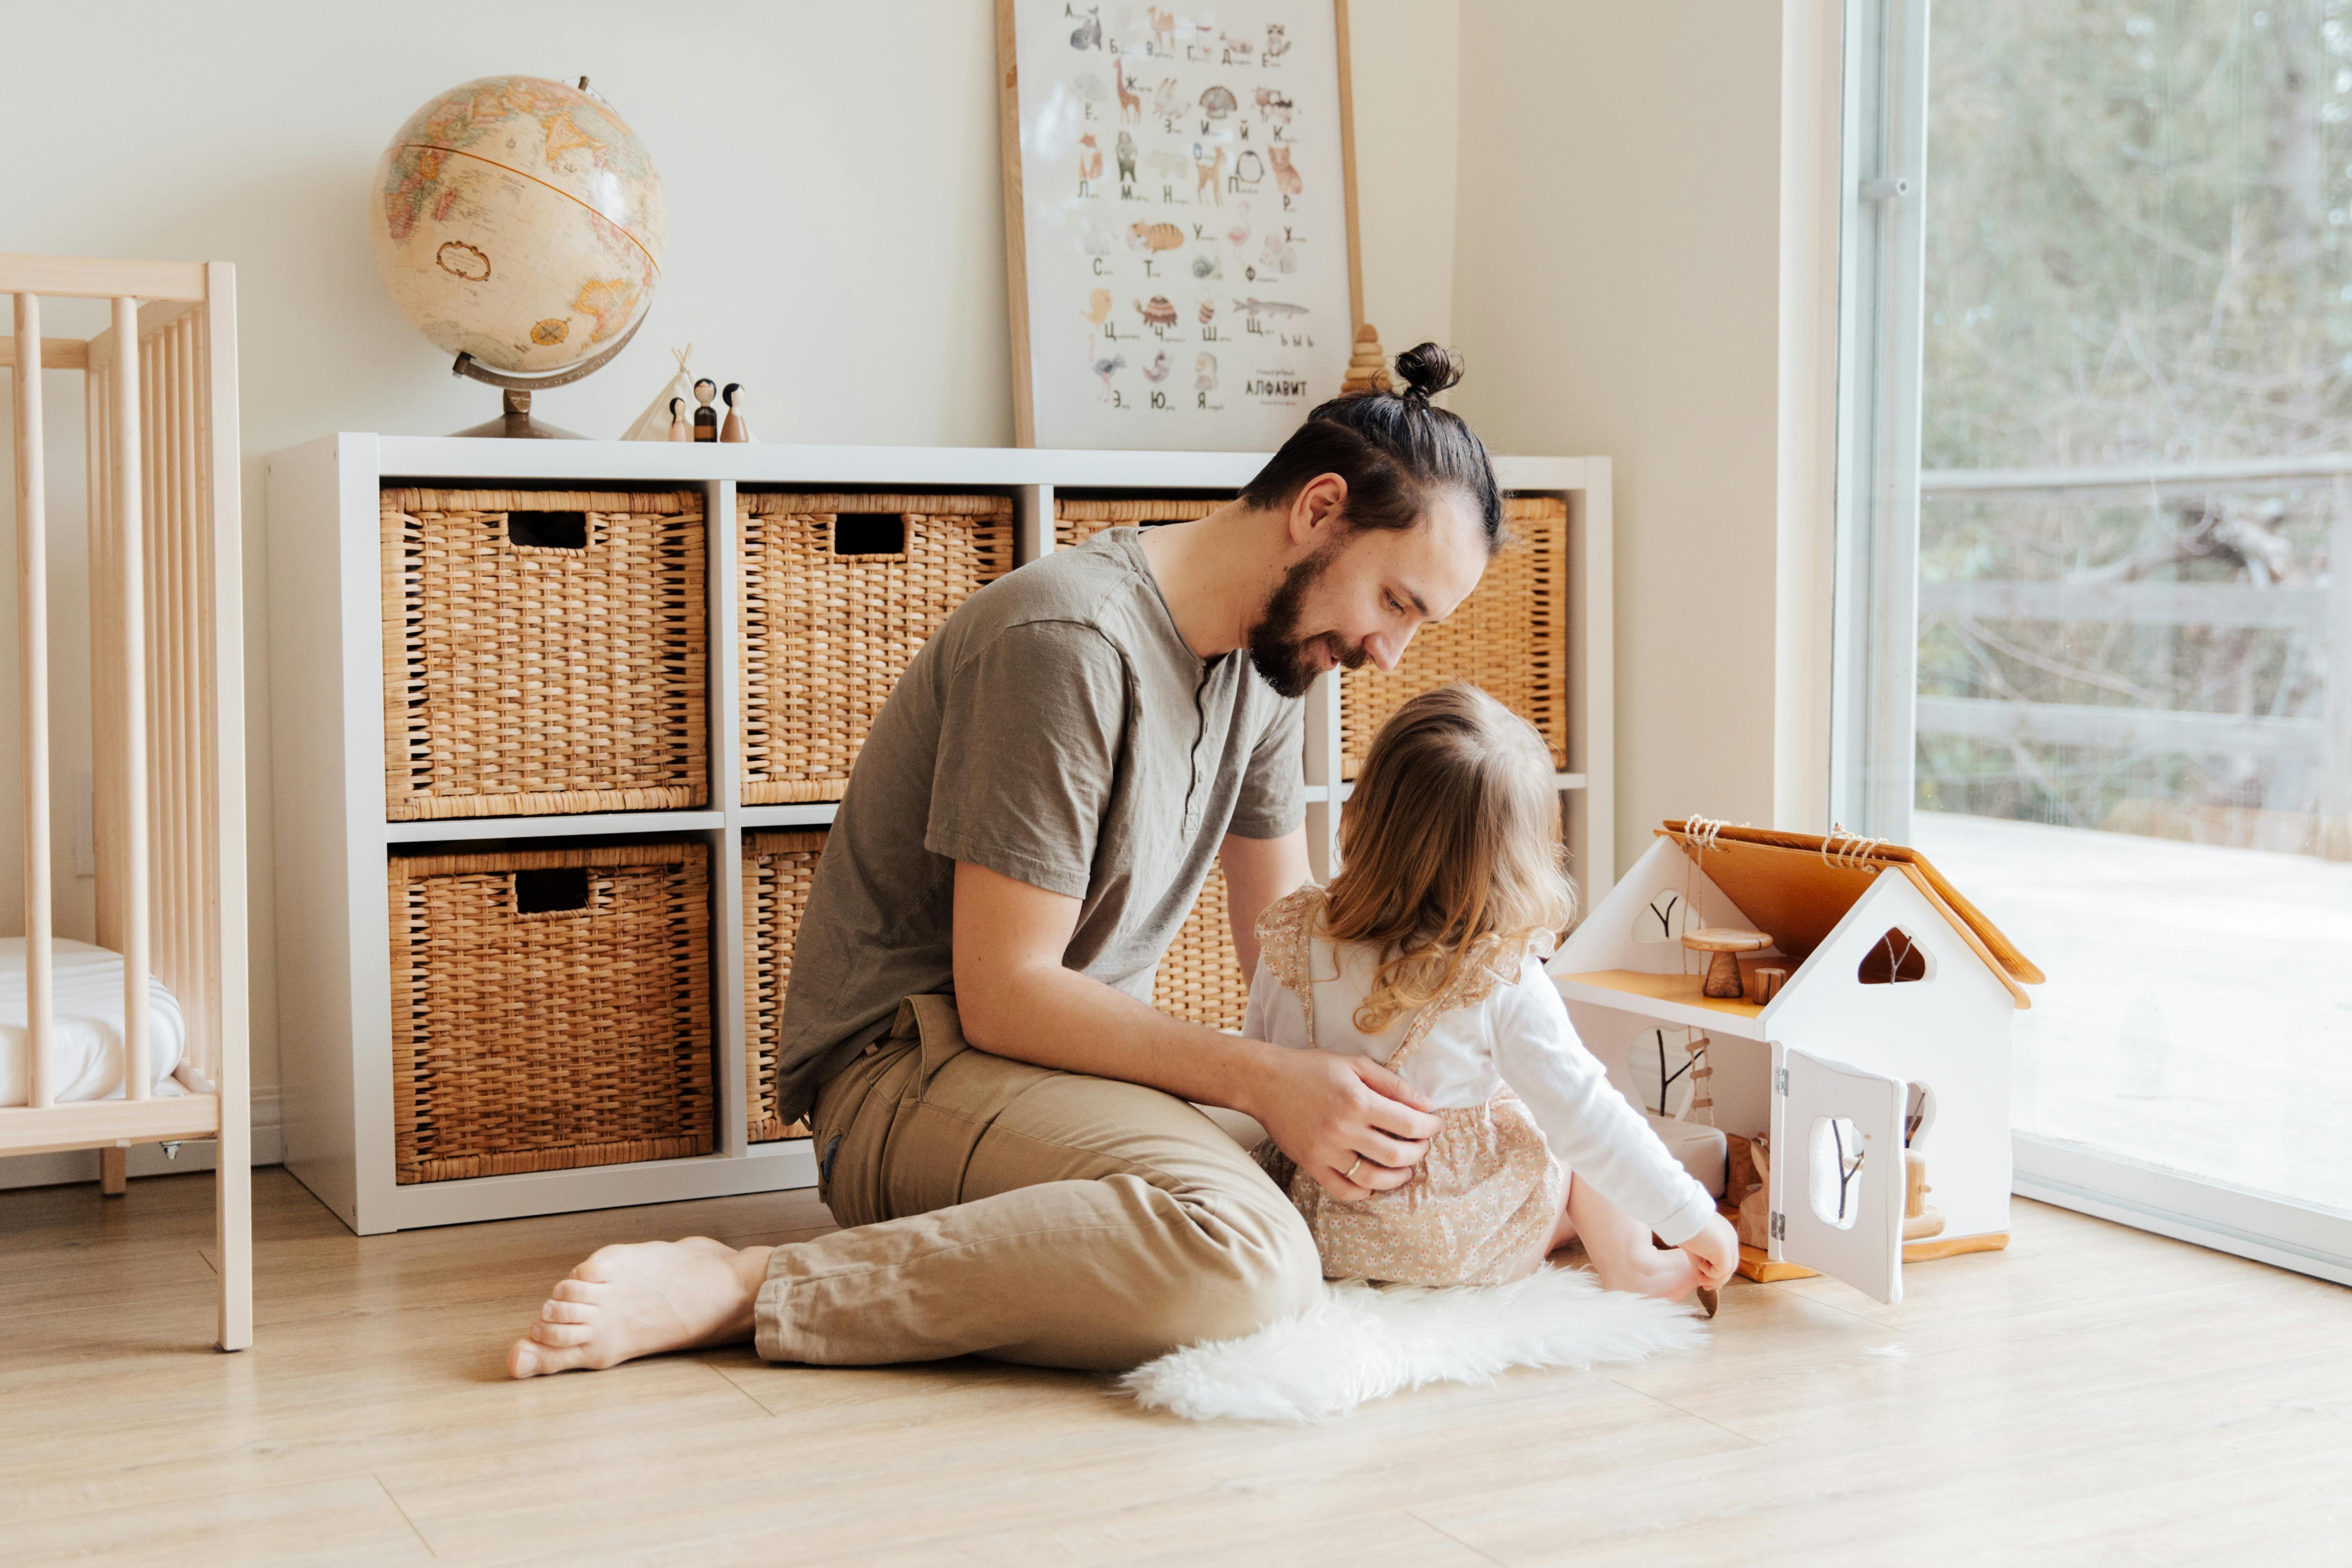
1450,848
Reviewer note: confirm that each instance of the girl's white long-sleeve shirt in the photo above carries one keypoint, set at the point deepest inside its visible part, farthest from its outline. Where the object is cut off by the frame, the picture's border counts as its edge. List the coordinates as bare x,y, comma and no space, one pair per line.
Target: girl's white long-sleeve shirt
1519,1035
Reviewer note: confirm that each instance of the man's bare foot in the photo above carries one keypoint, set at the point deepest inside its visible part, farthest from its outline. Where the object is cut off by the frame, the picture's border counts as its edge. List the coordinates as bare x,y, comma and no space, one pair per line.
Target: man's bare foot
641,1300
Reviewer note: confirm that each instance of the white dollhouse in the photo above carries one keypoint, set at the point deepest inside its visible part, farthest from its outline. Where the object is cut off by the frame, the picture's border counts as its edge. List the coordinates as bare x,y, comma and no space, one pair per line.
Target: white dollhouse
1863,1039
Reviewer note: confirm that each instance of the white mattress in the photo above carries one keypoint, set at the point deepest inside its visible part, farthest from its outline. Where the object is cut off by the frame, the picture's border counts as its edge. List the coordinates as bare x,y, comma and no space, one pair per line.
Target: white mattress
86,1042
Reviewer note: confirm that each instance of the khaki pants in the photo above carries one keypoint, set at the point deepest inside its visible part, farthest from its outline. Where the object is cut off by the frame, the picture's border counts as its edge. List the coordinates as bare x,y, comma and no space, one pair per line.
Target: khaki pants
1002,1210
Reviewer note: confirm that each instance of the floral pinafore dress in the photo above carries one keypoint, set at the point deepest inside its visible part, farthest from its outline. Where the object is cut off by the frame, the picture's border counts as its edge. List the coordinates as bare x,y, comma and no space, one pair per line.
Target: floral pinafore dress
1488,1192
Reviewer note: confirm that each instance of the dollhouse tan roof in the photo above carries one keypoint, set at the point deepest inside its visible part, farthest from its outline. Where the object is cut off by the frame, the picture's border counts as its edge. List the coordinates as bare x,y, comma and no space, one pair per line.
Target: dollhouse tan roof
1798,886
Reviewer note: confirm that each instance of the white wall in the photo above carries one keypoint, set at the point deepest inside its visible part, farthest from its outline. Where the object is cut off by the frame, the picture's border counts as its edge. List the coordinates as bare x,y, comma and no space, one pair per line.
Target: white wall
1616,292
1584,196
836,240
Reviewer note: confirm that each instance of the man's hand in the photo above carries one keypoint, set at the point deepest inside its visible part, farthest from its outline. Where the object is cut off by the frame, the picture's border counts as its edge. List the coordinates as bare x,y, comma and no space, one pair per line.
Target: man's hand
1326,1111
1350,1122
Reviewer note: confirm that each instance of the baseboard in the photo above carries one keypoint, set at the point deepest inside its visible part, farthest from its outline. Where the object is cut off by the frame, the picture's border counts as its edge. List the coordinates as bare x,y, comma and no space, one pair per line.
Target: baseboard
149,1159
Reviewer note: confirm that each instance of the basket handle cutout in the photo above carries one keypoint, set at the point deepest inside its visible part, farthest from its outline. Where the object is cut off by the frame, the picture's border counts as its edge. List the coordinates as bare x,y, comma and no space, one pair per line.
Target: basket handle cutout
558,889
869,533
548,530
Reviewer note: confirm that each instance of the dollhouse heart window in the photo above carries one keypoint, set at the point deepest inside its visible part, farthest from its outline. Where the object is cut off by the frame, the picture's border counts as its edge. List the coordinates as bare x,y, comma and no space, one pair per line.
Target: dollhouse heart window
1894,959
1834,1151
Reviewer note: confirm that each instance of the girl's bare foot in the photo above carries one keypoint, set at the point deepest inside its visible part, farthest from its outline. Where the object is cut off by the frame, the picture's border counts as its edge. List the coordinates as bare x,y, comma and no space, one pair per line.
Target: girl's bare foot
641,1300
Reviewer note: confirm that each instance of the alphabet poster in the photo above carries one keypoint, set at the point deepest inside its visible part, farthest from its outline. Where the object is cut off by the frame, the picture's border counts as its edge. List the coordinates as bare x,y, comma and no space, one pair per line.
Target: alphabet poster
1178,220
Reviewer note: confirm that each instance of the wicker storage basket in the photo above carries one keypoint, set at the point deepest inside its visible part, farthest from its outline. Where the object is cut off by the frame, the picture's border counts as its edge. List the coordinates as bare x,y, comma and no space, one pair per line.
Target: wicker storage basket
778,869
551,1009
1509,638
1077,521
543,652
839,594
1201,978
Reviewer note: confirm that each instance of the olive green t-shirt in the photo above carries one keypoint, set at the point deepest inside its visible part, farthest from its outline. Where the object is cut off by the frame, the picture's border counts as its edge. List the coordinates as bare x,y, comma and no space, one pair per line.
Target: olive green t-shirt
1057,730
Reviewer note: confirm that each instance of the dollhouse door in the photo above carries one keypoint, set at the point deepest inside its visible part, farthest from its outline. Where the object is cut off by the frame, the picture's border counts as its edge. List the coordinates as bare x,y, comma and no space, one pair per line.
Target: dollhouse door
1836,1204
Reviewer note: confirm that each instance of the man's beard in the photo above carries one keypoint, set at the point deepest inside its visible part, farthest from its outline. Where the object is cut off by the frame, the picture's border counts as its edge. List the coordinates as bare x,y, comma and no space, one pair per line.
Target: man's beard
1280,653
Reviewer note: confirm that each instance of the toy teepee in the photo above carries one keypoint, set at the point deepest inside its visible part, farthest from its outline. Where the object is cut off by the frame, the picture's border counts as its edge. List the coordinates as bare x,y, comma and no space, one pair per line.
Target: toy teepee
654,423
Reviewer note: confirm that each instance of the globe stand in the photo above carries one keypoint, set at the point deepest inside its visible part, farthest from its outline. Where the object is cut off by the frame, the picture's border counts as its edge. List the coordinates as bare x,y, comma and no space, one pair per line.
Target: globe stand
515,423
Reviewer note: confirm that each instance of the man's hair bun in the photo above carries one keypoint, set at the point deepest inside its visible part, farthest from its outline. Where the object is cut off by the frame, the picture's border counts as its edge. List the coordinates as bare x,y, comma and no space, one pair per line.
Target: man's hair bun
1395,450
1427,369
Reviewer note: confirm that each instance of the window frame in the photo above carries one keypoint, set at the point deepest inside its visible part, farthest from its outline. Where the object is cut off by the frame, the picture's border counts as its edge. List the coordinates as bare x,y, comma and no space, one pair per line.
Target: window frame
1873,650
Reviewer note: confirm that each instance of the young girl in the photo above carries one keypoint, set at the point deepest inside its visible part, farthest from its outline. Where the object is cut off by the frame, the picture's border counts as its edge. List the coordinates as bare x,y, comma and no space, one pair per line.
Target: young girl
1426,952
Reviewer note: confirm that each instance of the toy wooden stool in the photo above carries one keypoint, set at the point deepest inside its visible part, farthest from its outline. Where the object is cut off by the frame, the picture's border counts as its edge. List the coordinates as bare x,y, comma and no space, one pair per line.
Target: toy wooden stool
1727,943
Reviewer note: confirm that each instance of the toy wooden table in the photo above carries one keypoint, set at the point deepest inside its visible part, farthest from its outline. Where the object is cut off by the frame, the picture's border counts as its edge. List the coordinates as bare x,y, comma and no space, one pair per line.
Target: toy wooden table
1727,943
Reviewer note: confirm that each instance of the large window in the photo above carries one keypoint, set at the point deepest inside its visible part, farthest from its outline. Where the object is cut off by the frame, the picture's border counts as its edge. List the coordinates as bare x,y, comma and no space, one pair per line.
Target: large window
2128,562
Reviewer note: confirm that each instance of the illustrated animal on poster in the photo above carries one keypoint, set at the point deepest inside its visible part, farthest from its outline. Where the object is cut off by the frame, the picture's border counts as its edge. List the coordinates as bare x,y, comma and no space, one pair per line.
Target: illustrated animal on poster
1125,150
1273,107
1236,51
1210,182
1154,238
1167,165
1097,307
1095,239
1208,310
1276,44
1168,100
1157,371
1206,265
1087,35
1090,161
1204,373
1089,87
1164,29
1107,369
1159,314
1218,101
1852,1013
1130,103
1239,233
1248,170
1280,309
1280,256
1286,178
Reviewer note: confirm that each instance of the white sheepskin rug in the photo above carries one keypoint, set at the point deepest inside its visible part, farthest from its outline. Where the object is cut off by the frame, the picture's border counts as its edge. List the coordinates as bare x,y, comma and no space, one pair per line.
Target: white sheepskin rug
1363,1342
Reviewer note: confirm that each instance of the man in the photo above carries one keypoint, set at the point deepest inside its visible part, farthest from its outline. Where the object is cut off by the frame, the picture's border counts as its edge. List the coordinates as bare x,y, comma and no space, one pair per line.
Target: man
1004,1123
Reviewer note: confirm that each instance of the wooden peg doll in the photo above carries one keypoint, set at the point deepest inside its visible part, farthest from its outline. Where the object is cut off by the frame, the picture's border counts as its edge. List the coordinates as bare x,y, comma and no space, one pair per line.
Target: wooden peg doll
734,429
680,427
706,417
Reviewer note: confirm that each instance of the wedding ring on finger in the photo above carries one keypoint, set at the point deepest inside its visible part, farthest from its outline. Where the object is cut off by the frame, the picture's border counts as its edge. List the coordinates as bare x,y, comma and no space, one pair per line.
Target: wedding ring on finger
1349,1174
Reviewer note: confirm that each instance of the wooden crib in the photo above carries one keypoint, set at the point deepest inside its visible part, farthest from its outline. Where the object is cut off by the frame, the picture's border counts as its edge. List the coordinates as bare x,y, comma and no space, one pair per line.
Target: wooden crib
167,700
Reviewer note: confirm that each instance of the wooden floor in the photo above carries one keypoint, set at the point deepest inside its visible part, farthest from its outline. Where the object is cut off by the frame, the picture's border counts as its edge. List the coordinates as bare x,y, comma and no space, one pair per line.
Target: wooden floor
2092,1396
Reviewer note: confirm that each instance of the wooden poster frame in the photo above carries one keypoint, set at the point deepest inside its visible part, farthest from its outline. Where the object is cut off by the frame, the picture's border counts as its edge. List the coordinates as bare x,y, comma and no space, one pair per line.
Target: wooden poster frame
1016,237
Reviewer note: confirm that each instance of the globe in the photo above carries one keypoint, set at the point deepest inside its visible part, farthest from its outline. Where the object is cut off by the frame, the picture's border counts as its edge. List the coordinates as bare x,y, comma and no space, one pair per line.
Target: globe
519,220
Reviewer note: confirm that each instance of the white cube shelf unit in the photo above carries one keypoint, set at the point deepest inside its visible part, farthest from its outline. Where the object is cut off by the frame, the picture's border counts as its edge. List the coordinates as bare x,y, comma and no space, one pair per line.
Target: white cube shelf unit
332,838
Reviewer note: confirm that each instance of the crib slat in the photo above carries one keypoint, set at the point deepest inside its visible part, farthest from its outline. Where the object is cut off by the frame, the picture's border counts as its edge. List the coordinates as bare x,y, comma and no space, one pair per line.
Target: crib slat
156,465
97,459
139,1075
187,921
33,664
